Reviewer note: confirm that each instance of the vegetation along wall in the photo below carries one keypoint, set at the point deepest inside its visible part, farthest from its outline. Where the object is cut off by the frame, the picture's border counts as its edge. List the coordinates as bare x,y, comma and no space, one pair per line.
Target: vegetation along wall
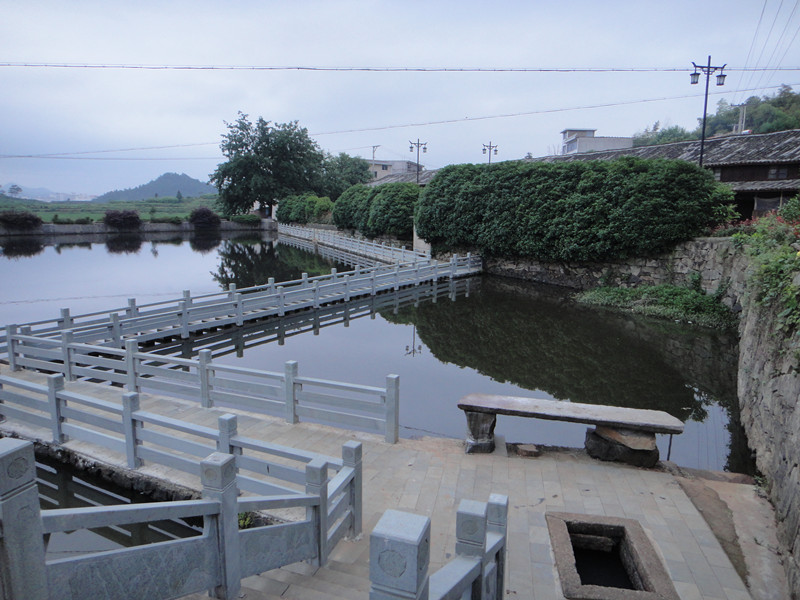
632,222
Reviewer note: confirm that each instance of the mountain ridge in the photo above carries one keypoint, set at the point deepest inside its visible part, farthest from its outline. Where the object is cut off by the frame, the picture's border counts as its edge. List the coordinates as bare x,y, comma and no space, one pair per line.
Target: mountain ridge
168,184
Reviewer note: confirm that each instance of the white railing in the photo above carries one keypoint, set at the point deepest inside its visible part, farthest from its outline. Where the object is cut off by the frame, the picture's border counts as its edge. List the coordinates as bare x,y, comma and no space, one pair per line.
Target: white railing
192,314
379,251
477,572
214,561
286,394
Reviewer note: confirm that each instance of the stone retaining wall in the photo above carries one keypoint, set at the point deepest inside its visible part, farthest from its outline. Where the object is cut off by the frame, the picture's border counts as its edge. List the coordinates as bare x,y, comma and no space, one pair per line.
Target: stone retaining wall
768,385
50,229
713,259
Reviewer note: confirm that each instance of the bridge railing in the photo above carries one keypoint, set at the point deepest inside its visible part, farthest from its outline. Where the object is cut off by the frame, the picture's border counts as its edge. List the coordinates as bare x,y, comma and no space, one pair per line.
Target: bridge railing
380,251
477,572
190,315
287,395
215,560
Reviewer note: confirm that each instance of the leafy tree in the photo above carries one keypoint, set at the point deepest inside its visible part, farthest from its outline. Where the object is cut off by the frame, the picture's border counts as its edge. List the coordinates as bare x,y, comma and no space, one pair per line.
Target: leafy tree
265,163
179,196
14,190
340,172
767,114
657,135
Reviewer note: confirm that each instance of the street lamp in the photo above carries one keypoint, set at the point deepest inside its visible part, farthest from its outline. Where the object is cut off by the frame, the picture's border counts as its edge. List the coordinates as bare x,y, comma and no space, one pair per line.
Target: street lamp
694,78
489,147
418,144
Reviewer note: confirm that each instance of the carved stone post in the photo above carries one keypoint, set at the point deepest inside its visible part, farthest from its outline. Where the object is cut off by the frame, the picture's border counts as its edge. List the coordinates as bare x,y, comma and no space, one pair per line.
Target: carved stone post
22,568
471,525
317,485
399,555
351,457
218,474
290,408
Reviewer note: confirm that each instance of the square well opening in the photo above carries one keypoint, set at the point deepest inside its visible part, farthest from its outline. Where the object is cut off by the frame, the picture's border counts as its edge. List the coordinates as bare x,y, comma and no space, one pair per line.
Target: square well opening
606,558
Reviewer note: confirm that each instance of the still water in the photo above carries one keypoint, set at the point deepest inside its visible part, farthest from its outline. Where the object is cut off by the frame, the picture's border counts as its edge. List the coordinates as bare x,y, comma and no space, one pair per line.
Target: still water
487,335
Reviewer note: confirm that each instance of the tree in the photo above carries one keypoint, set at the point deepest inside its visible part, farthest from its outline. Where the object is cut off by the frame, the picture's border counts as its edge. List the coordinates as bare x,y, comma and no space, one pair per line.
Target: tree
14,190
265,163
179,196
341,172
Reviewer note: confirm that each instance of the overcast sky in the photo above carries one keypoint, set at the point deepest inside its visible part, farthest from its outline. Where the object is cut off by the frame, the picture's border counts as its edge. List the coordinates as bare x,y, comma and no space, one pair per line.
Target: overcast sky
45,110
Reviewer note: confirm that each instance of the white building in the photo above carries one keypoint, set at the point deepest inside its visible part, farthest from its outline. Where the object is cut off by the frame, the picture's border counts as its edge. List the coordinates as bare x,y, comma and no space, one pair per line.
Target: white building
575,141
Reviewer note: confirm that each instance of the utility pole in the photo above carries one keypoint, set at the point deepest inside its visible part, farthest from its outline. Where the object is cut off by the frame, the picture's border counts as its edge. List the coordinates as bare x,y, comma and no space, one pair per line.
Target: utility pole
489,147
418,144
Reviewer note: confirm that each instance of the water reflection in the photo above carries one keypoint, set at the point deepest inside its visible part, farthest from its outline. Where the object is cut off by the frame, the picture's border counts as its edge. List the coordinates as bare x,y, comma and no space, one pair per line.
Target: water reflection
537,338
124,243
252,261
22,247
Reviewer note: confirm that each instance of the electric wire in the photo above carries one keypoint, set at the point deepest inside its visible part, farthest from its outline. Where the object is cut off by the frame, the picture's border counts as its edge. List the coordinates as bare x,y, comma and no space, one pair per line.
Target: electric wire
146,67
82,155
777,46
750,51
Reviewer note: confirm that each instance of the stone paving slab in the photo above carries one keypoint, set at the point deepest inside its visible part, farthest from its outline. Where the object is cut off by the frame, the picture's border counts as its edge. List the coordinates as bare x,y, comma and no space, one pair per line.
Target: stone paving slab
430,476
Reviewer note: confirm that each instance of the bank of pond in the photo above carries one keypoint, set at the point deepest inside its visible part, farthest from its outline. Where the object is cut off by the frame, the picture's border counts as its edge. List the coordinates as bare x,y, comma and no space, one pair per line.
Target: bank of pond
483,335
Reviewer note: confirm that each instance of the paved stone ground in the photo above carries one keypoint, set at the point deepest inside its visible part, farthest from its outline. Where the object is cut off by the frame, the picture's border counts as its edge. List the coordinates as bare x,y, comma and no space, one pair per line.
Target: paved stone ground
430,476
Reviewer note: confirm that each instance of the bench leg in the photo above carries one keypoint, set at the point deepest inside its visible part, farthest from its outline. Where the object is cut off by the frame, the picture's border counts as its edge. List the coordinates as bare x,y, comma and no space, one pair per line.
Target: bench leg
480,432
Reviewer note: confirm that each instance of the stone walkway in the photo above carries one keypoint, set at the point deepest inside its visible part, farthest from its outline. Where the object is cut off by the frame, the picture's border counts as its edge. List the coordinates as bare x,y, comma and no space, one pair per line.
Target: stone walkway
430,476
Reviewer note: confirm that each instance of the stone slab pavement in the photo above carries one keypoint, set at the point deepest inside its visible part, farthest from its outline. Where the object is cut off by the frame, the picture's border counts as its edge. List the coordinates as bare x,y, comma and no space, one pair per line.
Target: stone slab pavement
430,476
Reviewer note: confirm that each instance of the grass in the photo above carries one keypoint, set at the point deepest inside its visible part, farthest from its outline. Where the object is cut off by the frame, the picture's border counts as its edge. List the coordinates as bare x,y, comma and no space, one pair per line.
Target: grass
665,301
160,209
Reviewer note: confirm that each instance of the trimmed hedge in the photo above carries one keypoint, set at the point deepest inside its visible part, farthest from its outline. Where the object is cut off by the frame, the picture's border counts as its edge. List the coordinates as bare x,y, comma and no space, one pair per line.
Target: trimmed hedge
125,220
204,218
344,210
391,211
19,220
386,209
581,210
306,208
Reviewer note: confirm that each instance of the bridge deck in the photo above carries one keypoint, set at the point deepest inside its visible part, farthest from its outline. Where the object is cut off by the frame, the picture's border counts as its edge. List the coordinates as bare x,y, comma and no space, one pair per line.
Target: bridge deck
430,476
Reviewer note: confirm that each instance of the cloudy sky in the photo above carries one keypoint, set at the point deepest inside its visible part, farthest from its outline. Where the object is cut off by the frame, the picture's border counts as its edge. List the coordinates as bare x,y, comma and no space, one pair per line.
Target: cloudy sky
116,128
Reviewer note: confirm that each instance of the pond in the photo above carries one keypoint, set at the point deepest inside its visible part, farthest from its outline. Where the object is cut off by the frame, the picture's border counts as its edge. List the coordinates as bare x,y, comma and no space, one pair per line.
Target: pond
486,335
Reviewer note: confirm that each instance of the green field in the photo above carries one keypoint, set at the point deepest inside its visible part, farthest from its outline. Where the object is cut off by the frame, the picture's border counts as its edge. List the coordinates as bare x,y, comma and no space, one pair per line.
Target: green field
159,208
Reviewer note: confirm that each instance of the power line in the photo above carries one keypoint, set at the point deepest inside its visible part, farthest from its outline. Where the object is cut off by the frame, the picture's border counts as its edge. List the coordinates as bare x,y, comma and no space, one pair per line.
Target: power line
146,67
81,155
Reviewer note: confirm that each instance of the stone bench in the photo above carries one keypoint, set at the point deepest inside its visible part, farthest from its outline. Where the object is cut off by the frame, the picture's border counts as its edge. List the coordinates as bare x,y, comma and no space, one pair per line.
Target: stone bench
625,434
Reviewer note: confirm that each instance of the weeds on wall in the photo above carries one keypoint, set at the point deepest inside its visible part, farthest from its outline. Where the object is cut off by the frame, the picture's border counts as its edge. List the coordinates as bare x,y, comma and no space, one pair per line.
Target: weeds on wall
772,244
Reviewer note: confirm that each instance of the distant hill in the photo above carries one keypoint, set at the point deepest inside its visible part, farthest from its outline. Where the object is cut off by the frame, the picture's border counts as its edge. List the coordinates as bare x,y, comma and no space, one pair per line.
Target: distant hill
168,184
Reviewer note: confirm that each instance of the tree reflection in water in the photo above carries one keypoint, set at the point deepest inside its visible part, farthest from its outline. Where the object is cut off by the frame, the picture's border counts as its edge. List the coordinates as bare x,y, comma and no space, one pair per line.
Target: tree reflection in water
247,262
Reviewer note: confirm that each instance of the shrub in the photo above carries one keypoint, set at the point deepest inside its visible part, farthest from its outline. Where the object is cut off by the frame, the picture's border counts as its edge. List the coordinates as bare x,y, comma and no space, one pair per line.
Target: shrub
391,211
204,217
122,219
306,208
246,219
169,220
19,220
345,206
581,210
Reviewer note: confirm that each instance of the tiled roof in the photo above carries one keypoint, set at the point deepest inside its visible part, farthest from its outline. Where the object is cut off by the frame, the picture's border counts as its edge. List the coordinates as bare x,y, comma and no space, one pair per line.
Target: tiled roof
764,148
424,178
773,185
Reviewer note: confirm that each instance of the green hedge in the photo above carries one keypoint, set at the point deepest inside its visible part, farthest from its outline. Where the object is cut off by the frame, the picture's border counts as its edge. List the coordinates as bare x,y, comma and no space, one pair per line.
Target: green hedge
345,208
306,208
581,210
386,209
